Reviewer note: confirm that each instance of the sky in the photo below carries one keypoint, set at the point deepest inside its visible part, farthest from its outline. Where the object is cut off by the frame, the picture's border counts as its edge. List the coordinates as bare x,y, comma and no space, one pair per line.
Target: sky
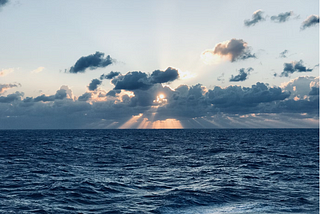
159,64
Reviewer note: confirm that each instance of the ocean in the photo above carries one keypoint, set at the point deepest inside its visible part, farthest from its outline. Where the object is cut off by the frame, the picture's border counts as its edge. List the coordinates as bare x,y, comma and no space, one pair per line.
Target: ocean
159,171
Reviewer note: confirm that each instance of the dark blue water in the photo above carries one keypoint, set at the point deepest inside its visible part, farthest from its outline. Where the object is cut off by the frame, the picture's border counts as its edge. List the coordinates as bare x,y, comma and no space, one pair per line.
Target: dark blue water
159,171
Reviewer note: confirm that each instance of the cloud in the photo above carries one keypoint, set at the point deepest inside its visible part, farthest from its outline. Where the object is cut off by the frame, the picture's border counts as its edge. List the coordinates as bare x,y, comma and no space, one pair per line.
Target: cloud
283,54
235,49
60,94
132,81
38,70
4,87
292,67
91,62
169,75
17,96
184,103
85,97
282,17
314,91
242,76
310,21
3,2
4,72
300,87
139,80
94,84
256,17
109,76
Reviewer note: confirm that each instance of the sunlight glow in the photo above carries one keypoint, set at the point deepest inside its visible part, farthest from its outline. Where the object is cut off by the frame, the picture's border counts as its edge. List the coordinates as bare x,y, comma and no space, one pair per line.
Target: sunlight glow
208,57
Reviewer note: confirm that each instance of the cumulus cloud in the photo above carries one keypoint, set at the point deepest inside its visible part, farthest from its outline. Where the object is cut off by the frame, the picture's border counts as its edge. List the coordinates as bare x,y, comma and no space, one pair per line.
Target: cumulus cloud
4,87
256,17
282,17
91,62
242,76
170,74
17,96
310,21
235,49
283,54
94,84
139,80
296,66
132,81
60,94
109,76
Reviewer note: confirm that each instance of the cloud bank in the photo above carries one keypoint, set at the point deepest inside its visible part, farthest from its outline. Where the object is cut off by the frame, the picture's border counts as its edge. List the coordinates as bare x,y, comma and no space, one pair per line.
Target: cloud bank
98,109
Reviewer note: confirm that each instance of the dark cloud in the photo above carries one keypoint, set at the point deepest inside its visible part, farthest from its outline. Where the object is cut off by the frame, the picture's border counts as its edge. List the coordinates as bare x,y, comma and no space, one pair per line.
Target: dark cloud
139,80
310,21
235,49
256,17
282,17
85,97
3,2
4,87
314,91
60,94
94,84
292,67
132,81
113,93
242,76
283,54
93,61
17,96
169,75
109,76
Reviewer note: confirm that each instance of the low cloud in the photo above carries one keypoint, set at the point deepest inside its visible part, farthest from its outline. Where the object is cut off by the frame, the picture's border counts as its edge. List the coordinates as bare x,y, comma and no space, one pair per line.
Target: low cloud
290,68
4,87
17,96
60,94
184,103
91,62
242,76
283,54
235,49
282,17
256,17
310,21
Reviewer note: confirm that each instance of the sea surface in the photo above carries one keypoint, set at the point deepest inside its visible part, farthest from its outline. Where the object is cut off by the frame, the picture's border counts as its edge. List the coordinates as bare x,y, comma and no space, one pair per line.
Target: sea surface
159,171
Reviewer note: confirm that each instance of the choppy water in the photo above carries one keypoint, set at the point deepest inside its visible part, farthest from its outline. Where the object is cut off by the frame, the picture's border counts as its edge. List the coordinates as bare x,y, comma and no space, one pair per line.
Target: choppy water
159,171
